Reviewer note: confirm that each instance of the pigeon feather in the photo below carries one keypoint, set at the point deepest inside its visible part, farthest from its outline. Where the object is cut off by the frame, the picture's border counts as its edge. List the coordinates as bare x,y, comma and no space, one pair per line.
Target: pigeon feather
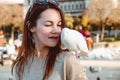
74,41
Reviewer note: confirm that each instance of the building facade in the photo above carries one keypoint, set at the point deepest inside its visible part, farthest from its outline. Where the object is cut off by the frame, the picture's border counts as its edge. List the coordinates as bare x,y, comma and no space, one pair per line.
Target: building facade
74,7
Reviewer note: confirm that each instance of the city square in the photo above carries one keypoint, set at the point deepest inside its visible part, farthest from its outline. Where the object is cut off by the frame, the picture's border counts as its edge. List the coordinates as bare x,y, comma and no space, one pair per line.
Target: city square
97,20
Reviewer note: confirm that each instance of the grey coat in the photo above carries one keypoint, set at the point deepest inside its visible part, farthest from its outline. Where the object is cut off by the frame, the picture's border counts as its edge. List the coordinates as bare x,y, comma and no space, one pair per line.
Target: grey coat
67,67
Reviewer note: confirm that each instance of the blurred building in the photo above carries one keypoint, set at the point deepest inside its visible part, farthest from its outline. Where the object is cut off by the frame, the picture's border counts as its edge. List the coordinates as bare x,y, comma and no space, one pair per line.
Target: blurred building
74,7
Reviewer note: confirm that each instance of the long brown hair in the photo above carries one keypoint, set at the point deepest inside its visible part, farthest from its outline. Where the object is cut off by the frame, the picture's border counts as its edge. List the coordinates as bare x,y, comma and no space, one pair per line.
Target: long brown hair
28,46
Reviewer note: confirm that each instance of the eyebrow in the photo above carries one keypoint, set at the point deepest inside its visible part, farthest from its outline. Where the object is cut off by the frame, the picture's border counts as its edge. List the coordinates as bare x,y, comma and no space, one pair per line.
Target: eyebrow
51,21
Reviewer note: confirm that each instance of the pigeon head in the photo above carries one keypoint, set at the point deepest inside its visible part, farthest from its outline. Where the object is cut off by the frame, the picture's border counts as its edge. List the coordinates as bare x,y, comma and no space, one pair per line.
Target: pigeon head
64,33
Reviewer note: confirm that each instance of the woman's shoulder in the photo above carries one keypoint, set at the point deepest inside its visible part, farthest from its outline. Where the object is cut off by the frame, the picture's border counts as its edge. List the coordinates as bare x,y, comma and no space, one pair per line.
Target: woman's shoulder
65,55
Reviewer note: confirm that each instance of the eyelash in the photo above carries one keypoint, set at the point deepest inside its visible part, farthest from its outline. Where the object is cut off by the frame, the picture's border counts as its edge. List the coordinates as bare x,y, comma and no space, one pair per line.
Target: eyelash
51,25
59,25
47,25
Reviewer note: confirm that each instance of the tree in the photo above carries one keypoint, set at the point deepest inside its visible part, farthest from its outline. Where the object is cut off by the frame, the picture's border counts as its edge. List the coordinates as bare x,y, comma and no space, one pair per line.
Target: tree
98,12
69,20
84,21
11,14
114,20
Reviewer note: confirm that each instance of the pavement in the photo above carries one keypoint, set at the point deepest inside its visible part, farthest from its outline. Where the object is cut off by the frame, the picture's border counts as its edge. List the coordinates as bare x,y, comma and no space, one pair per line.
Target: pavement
107,73
5,72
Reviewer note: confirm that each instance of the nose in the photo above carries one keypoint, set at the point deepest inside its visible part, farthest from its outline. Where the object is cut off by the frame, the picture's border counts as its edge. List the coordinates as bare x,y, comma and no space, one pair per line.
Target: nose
56,29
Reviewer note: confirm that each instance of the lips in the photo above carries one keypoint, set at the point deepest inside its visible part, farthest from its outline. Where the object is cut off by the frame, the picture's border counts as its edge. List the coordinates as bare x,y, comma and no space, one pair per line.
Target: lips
53,37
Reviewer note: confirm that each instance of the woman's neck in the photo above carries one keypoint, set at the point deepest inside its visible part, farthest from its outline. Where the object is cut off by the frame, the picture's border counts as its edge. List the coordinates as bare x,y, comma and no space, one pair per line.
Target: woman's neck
42,52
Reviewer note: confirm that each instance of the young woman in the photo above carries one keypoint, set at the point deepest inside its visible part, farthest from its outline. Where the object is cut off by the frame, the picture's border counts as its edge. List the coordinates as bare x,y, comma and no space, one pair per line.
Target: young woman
41,56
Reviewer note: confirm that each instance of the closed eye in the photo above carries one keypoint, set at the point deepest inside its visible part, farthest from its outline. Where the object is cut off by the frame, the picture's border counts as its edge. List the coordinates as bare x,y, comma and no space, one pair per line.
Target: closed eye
49,23
59,24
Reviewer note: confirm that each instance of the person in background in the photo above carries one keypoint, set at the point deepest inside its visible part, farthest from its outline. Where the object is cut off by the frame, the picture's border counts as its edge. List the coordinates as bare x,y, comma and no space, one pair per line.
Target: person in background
40,56
18,42
89,39
80,29
10,47
2,38
2,47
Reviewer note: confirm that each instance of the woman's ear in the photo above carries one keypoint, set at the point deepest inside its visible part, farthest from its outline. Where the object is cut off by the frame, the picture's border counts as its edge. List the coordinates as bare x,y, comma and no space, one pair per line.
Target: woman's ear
33,29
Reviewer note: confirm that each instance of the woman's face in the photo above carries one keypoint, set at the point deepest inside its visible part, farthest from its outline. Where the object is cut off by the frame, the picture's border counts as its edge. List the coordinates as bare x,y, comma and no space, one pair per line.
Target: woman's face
48,28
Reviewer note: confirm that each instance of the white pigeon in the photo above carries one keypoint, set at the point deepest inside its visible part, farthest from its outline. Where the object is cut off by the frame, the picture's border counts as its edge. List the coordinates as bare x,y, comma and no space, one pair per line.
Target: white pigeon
74,41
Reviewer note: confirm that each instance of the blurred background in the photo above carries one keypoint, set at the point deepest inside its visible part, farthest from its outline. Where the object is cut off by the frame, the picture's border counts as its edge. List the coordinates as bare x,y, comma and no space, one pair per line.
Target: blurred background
97,20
